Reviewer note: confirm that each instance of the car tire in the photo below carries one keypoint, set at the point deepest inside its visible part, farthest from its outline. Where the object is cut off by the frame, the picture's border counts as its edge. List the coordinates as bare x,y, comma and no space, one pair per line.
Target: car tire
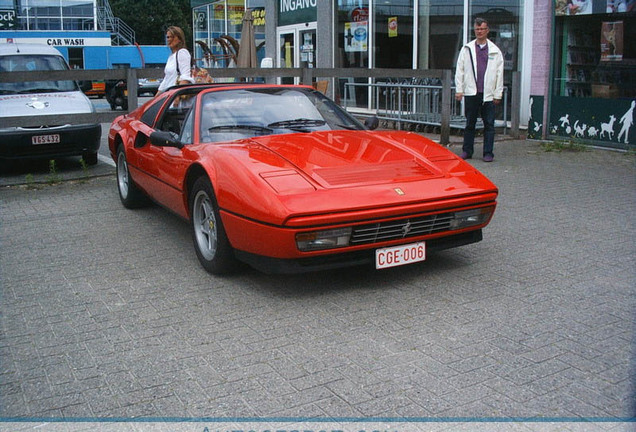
5,165
129,194
208,234
90,158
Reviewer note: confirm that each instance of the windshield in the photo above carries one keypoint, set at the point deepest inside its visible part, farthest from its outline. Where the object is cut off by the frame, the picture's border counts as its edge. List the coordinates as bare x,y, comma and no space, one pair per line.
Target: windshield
242,113
27,63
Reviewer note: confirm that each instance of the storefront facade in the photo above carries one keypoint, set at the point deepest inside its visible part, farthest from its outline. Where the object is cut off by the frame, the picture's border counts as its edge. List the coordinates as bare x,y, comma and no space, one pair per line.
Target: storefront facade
406,34
576,69
591,91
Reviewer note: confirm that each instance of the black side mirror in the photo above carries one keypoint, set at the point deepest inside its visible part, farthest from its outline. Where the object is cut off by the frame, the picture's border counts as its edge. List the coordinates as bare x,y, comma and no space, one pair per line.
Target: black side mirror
165,139
372,123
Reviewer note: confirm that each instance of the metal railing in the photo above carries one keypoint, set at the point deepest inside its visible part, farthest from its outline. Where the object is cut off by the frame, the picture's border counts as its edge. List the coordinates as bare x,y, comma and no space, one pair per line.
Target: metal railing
443,105
412,103
121,33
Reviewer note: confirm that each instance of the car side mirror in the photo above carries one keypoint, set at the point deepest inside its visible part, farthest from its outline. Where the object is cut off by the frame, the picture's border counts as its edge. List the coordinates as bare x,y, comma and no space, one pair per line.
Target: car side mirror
372,123
165,139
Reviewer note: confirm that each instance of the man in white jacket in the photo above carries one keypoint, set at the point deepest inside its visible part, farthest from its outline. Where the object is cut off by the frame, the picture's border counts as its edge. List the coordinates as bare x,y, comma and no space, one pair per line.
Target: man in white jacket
479,80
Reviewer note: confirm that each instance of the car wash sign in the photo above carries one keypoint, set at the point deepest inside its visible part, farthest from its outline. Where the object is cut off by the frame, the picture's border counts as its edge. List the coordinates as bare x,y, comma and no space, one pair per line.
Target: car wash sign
7,19
296,11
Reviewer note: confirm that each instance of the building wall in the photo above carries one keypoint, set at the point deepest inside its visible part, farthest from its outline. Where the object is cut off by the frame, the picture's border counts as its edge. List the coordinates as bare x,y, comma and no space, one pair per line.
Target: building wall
325,41
542,41
126,55
271,43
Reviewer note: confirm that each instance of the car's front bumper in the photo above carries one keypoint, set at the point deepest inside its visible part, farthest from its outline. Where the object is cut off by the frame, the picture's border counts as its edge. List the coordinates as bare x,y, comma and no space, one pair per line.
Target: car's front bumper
347,259
74,140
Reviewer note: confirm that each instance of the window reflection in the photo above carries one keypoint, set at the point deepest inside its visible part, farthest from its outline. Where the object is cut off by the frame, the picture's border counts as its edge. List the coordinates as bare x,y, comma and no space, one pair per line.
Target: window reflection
56,15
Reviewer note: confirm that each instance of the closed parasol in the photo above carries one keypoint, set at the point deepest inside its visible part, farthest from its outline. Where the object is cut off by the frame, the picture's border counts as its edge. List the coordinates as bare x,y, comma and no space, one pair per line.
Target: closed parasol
246,57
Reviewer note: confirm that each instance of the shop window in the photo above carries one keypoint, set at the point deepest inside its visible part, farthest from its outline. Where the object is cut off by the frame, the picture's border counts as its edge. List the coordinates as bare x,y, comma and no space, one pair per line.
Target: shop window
593,58
393,34
352,49
440,33
352,34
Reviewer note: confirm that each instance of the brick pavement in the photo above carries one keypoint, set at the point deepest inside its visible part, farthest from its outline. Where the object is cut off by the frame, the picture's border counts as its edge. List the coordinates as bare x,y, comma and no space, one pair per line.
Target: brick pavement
105,312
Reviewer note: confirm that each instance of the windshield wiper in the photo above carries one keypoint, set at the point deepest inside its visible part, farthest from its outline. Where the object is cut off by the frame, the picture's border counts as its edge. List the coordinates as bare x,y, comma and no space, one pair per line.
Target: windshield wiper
248,127
349,127
299,123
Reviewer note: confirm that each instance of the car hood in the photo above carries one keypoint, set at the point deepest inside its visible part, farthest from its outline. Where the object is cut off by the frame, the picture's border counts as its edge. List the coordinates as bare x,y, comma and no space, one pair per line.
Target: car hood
331,172
338,159
35,104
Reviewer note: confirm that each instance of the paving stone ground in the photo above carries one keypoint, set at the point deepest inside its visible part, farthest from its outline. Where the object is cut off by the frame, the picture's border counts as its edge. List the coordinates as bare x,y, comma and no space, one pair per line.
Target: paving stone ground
106,313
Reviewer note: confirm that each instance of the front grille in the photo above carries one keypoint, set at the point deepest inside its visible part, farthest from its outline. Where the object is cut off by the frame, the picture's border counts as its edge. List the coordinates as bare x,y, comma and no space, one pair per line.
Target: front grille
399,229
43,128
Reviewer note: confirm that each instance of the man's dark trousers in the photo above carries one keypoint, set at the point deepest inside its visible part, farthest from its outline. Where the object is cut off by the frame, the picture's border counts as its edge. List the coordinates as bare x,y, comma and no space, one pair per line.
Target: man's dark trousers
475,106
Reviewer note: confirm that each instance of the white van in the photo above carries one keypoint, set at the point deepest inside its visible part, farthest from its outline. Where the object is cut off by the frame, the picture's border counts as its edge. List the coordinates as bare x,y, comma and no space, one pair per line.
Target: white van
34,98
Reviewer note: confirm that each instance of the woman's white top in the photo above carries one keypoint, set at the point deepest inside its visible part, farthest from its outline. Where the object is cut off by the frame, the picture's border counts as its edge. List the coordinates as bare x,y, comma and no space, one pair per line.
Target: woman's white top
170,71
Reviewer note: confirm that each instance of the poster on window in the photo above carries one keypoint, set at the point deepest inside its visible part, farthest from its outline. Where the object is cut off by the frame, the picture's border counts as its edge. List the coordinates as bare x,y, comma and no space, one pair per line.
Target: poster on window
620,6
393,27
573,7
612,41
355,36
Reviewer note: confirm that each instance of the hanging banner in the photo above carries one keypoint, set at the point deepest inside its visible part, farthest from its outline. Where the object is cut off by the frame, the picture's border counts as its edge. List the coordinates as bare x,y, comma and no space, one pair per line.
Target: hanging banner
612,41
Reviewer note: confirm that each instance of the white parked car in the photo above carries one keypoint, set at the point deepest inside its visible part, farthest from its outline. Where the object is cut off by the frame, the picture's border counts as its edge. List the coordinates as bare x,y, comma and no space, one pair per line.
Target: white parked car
35,98
148,85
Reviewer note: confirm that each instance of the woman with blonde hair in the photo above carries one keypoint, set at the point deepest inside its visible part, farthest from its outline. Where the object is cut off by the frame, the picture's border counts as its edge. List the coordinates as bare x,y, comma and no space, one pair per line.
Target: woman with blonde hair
177,70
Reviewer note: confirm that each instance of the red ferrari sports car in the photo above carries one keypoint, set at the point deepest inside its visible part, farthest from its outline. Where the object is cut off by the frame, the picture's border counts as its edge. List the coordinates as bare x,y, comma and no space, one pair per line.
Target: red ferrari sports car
282,178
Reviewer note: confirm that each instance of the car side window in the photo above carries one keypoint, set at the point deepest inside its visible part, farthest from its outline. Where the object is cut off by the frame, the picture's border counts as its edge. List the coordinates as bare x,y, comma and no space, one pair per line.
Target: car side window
175,113
187,131
149,116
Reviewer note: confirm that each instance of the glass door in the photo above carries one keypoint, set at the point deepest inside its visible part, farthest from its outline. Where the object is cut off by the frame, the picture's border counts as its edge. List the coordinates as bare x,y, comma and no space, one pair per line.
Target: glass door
296,48
308,48
286,53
